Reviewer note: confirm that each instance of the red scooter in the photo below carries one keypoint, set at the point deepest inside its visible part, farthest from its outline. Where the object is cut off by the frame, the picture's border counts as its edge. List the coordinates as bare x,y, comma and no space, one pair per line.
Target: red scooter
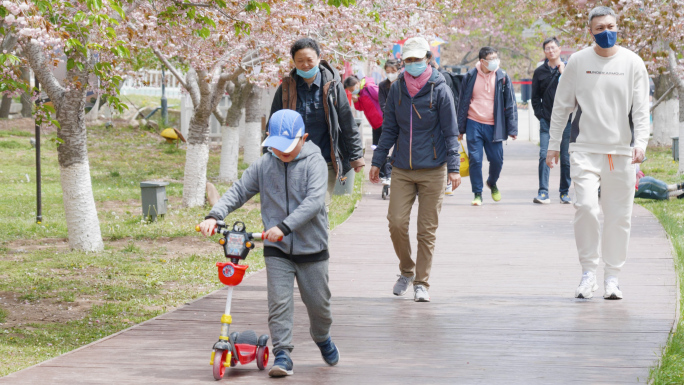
237,347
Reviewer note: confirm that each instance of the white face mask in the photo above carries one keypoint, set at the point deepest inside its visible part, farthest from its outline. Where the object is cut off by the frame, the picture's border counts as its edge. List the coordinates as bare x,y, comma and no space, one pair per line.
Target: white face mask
493,64
392,76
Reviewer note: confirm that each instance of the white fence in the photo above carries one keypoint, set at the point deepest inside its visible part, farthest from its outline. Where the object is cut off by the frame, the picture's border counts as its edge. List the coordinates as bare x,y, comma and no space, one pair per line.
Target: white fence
148,83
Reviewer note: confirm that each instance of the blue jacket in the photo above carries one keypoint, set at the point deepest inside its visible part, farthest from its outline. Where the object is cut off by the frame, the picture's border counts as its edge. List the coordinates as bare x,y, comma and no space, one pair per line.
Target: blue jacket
505,105
422,129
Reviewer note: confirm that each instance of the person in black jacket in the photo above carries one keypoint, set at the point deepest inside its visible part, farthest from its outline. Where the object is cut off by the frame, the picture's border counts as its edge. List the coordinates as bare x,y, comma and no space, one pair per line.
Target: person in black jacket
392,69
544,84
314,89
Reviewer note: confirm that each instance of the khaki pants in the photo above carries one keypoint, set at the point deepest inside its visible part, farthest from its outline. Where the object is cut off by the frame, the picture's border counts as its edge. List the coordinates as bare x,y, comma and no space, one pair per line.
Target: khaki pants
430,185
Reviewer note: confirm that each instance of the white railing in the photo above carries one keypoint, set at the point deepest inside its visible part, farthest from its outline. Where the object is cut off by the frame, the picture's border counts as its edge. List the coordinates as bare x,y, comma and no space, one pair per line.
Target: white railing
148,83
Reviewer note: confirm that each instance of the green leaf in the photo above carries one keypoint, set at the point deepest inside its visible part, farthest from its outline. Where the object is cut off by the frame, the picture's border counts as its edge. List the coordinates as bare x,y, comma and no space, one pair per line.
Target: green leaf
118,10
70,64
59,126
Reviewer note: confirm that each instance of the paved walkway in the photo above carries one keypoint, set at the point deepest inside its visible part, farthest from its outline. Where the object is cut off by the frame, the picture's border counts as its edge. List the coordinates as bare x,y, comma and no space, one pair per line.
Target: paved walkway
502,309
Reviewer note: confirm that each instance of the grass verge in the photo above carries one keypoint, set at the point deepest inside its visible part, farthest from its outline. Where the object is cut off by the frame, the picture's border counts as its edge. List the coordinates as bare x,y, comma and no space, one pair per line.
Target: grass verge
670,369
52,299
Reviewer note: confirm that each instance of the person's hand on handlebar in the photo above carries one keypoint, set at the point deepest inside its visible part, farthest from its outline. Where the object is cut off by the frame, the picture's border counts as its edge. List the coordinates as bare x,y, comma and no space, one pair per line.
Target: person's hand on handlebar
274,234
207,226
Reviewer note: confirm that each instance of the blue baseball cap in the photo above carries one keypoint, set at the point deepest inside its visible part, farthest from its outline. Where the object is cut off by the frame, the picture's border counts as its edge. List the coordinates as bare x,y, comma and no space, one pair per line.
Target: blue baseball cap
284,130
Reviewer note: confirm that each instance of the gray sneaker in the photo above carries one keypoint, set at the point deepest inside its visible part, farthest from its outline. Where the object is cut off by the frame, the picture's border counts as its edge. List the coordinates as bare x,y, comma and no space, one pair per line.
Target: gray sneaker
401,287
420,294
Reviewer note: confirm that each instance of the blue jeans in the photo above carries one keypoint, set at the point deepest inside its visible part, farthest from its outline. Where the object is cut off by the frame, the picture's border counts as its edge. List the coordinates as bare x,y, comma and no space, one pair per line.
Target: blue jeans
544,170
481,136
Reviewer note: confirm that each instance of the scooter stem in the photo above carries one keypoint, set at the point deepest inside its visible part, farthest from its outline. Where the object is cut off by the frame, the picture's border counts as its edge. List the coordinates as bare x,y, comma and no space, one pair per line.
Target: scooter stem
229,299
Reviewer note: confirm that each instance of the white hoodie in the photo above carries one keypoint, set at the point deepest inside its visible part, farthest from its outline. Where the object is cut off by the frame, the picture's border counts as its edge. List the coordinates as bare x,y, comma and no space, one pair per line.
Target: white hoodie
604,90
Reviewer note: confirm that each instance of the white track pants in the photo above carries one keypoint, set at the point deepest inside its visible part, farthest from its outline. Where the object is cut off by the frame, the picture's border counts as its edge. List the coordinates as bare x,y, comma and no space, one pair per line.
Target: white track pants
615,174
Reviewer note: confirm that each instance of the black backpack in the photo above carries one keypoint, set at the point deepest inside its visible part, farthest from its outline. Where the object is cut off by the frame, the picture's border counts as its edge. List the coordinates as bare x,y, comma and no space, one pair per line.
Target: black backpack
455,83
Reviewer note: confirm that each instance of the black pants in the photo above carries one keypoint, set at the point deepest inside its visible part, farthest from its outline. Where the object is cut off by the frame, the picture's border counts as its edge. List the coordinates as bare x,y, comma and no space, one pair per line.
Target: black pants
376,135
386,169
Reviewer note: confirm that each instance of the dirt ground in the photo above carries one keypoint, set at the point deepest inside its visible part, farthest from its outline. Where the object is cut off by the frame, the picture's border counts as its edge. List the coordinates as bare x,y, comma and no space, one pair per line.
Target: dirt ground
50,310
53,309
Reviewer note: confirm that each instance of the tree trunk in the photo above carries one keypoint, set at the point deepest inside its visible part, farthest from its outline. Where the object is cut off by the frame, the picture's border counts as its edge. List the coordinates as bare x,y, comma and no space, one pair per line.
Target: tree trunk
196,158
230,153
26,104
5,107
680,128
79,205
666,114
230,147
253,114
83,224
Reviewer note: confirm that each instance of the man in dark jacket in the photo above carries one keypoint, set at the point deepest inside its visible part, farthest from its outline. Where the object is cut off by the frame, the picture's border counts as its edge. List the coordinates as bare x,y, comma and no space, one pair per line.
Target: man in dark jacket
487,115
544,85
420,122
314,89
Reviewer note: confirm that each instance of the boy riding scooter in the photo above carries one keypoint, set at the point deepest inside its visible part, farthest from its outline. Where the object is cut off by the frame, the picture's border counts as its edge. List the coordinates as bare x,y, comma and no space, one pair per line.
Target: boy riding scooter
292,181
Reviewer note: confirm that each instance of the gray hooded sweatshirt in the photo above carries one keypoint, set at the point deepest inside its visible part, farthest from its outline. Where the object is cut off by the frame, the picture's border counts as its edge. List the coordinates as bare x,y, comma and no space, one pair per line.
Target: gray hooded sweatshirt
292,198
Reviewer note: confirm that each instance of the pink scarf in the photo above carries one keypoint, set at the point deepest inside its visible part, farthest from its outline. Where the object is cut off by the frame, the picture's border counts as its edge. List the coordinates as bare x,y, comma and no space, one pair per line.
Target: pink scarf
415,84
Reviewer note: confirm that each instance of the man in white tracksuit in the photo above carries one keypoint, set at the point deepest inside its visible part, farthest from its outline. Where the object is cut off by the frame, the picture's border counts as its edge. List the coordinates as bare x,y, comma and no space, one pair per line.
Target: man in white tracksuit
607,87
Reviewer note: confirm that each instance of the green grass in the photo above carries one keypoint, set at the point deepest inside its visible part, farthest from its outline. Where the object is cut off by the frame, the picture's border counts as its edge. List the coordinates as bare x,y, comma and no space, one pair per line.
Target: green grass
670,213
138,276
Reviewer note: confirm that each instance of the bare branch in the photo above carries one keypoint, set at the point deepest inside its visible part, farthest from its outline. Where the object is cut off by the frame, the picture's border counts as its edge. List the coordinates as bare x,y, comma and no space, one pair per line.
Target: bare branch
660,100
203,5
672,63
193,87
217,115
34,54
171,68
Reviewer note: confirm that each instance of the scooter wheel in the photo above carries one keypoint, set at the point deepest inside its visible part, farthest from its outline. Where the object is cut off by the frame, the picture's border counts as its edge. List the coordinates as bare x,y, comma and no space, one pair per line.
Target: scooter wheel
262,357
385,192
219,360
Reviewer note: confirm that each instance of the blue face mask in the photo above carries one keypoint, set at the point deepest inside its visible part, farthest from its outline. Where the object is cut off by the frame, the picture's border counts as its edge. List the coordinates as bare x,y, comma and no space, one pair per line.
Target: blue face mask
606,39
308,74
417,68
355,92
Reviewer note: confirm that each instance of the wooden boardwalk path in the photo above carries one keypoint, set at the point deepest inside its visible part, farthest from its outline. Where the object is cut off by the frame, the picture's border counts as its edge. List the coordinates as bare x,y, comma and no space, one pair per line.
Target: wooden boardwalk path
502,309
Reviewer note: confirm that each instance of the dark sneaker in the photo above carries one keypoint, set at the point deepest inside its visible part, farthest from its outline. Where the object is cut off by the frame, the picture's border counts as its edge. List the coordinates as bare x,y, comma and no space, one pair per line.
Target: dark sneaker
478,200
330,352
565,199
496,194
543,198
282,366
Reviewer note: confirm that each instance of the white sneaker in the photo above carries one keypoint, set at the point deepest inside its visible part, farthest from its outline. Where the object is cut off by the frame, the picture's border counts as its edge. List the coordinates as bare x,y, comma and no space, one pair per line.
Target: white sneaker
386,181
612,289
587,286
420,294
448,190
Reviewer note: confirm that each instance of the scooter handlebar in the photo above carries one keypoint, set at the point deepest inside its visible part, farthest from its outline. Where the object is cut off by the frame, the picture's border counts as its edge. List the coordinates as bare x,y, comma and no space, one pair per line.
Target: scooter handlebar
256,236
262,236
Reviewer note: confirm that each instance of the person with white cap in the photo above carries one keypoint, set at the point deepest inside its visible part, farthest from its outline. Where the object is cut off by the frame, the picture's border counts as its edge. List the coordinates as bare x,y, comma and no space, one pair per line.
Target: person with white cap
292,182
420,122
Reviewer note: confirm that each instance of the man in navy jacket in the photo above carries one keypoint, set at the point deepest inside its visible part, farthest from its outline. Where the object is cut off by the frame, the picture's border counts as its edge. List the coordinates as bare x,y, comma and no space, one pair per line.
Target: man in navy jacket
487,115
